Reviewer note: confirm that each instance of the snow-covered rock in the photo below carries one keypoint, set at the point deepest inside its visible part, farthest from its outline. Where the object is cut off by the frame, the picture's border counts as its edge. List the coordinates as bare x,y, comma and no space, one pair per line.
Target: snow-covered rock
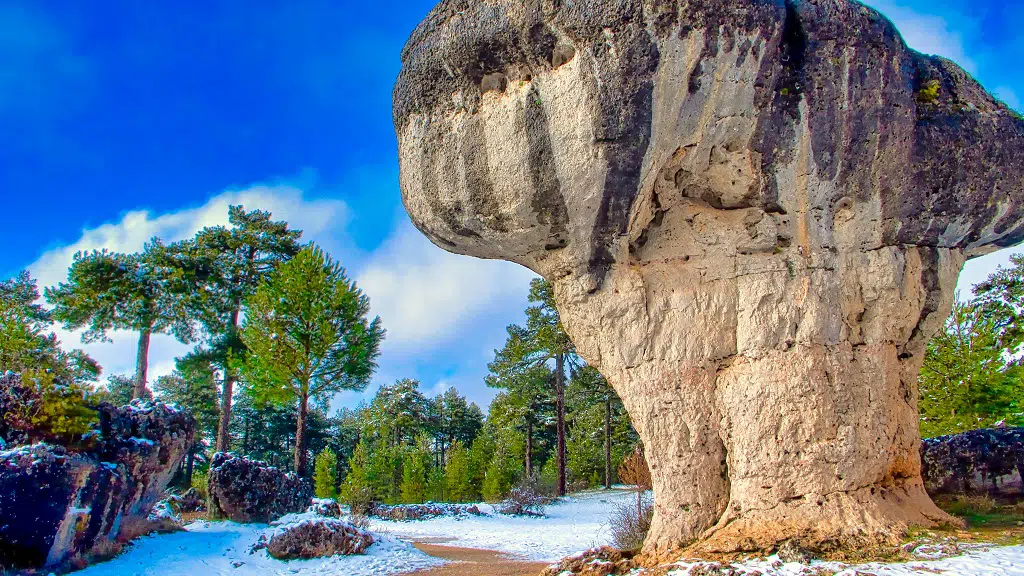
245,490
59,507
312,536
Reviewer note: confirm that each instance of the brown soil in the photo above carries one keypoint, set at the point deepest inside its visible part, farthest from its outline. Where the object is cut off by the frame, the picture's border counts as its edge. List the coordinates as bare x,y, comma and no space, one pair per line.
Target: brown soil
473,562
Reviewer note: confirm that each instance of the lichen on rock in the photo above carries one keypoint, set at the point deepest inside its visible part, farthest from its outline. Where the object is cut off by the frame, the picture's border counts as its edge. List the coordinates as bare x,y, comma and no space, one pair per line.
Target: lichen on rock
753,224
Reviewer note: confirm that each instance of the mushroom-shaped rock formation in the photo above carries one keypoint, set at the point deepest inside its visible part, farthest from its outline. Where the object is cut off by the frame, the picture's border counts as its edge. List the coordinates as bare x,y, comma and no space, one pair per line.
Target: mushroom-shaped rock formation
753,212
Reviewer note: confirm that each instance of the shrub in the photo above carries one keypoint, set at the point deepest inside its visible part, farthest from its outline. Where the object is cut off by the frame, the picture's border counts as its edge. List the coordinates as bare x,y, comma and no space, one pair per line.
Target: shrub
199,483
325,474
523,500
630,523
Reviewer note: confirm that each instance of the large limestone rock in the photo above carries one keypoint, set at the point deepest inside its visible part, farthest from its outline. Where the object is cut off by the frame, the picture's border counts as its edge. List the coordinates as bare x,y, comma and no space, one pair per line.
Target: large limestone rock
244,490
977,463
61,508
753,212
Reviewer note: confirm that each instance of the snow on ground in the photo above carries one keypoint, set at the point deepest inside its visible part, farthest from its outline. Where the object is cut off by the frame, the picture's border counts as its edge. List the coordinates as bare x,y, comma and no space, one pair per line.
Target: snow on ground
981,561
222,548
577,523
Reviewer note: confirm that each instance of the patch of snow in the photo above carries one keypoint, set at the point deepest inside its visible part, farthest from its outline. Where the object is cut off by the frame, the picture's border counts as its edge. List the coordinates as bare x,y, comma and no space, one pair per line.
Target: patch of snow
142,441
223,548
980,561
163,510
573,524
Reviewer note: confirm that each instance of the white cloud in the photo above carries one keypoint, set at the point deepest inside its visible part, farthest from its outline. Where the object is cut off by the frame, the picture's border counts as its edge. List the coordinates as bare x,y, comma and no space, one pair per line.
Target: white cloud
927,33
322,220
426,295
445,314
317,219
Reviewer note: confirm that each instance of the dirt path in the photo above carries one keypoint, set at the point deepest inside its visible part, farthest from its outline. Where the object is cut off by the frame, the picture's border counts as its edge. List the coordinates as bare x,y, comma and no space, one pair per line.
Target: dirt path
473,562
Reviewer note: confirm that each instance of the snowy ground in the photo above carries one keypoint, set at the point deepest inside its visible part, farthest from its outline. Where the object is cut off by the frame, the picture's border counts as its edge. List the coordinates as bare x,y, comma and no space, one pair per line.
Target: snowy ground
578,523
573,525
999,561
222,548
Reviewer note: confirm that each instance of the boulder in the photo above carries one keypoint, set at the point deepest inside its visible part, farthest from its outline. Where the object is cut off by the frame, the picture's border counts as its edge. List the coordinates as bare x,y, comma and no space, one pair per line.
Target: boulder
188,503
244,490
986,462
61,508
317,537
753,214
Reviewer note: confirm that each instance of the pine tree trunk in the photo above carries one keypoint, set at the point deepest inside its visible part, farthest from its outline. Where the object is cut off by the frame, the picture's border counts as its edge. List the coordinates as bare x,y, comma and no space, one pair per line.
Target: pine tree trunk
529,448
560,409
142,366
300,436
608,443
189,465
224,426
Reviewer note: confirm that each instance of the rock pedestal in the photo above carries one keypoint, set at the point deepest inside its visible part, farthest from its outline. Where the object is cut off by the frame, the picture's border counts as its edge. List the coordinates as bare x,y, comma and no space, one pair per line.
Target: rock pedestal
753,213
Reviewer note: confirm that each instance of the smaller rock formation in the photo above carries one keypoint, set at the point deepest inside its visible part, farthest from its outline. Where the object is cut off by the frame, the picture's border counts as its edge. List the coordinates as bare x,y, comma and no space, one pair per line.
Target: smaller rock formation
404,512
244,490
318,537
977,463
188,503
62,508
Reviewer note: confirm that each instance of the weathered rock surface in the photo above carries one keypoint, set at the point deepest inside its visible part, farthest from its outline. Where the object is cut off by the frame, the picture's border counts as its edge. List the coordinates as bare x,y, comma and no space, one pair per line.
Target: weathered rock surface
318,538
60,508
753,212
244,490
986,462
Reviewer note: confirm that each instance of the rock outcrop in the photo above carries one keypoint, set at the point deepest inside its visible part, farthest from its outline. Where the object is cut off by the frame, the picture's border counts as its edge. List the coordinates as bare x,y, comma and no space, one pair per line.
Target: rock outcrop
753,213
986,462
61,508
317,538
244,490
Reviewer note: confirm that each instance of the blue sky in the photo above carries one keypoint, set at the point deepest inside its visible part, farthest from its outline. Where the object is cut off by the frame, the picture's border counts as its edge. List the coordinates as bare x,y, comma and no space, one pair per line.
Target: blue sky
120,120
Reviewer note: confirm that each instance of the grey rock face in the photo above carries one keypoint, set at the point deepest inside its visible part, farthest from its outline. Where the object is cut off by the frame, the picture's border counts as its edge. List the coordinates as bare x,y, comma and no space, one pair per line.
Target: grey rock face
61,508
978,463
244,490
753,212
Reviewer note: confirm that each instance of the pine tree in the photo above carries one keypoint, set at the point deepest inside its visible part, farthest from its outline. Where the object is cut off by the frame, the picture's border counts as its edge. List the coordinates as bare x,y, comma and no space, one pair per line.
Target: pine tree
325,477
111,291
453,419
415,472
966,381
25,345
308,337
399,412
121,389
224,266
193,386
530,347
457,474
357,489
